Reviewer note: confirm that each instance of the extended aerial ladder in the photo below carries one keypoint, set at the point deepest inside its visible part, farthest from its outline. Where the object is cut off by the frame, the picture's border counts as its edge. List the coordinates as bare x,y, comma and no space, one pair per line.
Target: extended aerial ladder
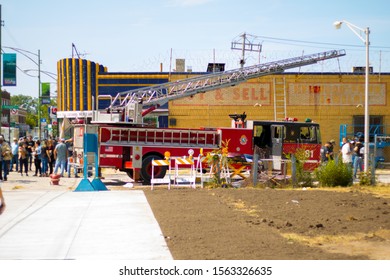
127,106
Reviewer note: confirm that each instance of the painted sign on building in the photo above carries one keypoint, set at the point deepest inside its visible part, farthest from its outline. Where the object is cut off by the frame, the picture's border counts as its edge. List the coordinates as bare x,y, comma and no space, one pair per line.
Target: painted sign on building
243,94
346,94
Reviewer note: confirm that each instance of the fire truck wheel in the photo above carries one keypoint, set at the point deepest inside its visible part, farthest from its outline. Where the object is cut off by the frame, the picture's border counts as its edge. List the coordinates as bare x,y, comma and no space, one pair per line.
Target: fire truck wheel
146,171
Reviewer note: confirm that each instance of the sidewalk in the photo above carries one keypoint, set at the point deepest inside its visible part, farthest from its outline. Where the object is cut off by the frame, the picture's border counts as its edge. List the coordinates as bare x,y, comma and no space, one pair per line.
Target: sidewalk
43,221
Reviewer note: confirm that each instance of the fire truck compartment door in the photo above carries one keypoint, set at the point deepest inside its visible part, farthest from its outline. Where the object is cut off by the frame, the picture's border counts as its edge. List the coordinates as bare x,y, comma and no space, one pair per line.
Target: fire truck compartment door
137,156
277,135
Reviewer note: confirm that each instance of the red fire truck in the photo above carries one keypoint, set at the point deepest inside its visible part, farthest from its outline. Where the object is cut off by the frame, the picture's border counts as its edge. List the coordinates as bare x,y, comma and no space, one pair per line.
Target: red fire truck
128,145
131,149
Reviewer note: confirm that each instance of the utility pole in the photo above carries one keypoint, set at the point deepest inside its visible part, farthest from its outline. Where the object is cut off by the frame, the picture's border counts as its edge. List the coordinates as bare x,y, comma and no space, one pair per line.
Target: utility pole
242,62
246,45
39,94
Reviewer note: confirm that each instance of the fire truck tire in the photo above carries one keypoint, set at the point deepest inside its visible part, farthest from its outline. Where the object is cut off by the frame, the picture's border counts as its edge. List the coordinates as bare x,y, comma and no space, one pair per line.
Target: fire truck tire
146,171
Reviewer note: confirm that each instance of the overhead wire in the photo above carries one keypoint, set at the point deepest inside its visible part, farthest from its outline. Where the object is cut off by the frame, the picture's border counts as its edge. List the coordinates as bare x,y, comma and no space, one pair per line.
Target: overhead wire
320,43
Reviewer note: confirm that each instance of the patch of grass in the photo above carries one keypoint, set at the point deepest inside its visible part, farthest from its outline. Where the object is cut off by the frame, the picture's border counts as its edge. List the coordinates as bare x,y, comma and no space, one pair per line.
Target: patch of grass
335,239
379,190
240,205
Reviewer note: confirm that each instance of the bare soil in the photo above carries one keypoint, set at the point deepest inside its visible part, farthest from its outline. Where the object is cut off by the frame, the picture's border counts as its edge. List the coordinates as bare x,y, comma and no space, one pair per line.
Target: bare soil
273,224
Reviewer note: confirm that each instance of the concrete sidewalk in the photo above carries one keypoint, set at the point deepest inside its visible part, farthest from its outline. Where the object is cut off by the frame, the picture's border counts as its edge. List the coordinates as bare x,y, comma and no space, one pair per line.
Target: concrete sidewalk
53,222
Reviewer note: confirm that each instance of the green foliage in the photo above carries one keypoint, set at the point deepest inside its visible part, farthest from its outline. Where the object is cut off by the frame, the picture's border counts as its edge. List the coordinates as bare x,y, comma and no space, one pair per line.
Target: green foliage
30,104
334,173
217,160
26,102
304,177
365,179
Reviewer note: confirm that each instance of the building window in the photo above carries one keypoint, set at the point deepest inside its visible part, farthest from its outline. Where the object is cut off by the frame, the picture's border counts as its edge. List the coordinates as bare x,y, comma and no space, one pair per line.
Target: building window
376,126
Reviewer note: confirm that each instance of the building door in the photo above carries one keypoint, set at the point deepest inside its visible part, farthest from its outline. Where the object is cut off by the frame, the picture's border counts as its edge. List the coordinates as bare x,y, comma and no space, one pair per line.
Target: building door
277,135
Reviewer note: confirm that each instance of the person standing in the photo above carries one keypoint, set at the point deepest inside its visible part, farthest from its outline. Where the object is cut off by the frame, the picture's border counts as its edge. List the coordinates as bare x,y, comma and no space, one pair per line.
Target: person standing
14,149
44,158
7,156
325,152
346,152
37,158
331,149
23,158
61,156
358,160
50,154
30,146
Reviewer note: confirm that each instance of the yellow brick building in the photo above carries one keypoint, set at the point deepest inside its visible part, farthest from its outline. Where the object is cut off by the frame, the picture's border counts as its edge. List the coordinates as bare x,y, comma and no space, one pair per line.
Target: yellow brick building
331,99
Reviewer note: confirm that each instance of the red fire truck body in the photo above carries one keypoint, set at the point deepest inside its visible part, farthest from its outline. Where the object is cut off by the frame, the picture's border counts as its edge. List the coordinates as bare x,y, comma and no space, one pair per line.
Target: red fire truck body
132,149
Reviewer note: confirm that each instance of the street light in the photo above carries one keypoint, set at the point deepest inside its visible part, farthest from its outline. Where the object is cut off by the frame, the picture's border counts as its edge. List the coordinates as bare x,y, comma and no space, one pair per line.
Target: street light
49,74
358,31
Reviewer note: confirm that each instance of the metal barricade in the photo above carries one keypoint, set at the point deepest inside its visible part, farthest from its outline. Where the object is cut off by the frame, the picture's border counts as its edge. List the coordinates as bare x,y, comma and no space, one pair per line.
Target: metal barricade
167,178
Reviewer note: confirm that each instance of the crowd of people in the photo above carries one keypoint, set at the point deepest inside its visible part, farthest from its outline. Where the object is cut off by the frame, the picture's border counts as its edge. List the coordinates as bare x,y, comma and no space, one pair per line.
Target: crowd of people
42,158
351,151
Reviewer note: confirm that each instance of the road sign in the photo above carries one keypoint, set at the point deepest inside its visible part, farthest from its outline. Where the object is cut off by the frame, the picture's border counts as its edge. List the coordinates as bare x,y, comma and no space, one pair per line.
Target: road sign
53,112
14,111
16,107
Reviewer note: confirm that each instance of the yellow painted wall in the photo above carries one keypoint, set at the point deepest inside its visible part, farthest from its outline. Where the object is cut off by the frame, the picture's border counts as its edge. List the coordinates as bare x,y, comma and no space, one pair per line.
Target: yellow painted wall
329,99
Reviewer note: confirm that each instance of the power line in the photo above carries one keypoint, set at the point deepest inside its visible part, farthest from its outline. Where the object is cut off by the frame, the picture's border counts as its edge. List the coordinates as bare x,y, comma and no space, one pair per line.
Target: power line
319,43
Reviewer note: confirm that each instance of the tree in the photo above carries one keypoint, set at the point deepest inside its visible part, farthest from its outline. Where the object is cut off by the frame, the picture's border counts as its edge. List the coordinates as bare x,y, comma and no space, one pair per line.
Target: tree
30,104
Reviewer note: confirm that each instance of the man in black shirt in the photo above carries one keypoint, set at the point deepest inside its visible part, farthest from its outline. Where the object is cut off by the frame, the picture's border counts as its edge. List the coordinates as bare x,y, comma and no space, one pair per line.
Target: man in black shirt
30,145
358,161
331,148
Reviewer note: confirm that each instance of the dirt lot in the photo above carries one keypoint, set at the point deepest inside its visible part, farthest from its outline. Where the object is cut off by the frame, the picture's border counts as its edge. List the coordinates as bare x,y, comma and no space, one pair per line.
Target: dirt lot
247,223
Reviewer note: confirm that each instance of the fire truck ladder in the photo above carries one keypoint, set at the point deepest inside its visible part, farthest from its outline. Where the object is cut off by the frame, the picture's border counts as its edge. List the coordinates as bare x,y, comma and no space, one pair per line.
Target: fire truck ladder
130,103
129,136
280,104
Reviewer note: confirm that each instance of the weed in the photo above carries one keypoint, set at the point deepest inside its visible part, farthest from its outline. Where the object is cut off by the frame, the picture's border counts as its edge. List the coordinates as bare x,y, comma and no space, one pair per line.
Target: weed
334,173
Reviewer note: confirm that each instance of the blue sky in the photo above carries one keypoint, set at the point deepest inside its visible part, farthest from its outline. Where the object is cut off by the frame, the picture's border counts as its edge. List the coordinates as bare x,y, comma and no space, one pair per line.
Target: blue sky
136,36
